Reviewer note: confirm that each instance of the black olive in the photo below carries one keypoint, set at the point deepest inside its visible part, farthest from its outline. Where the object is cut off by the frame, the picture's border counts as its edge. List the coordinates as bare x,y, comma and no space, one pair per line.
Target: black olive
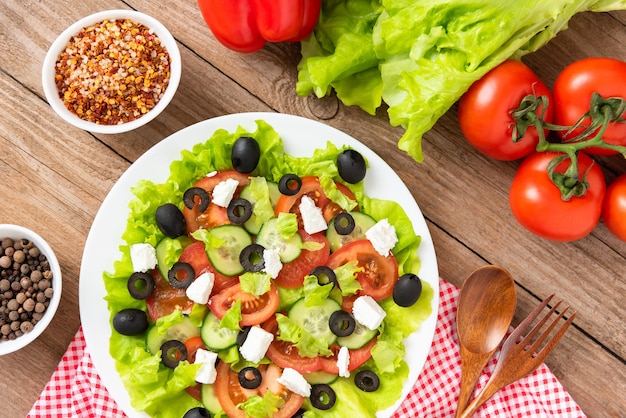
289,184
299,413
324,275
130,322
367,381
172,353
341,323
351,166
322,396
242,335
170,220
239,210
197,412
245,154
407,290
187,271
189,198
140,285
250,377
344,223
251,258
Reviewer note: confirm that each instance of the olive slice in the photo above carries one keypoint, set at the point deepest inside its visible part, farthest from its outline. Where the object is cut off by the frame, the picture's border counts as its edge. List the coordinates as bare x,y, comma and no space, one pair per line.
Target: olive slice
172,353
177,268
322,396
341,323
251,258
289,184
140,285
367,381
324,275
239,210
344,223
242,335
250,377
189,198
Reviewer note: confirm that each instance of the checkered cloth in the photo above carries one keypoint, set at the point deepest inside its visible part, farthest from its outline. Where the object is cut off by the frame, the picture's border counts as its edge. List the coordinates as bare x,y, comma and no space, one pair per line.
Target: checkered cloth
75,389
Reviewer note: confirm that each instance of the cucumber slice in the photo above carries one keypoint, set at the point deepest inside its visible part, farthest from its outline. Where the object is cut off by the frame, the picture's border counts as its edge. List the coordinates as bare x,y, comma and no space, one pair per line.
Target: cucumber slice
359,337
253,225
209,399
181,331
225,258
216,338
168,250
320,377
314,319
269,237
362,222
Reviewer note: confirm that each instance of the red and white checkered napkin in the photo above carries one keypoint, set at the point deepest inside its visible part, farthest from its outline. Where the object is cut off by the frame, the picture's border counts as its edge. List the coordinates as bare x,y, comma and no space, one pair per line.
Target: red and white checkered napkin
75,389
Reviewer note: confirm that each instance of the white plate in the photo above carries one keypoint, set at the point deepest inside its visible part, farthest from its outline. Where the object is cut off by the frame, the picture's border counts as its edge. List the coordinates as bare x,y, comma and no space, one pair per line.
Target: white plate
301,136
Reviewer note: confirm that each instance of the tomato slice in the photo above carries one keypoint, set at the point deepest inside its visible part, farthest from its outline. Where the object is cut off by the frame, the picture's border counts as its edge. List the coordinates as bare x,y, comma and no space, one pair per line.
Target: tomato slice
165,298
254,310
196,256
193,344
230,393
312,188
292,274
284,354
357,357
379,273
214,215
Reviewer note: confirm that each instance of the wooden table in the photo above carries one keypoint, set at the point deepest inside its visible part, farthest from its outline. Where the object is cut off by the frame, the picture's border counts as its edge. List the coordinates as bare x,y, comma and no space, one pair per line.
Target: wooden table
54,178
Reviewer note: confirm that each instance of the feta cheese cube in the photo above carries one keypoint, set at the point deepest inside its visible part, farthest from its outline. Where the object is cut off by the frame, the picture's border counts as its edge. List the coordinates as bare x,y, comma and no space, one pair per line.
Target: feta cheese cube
382,236
256,344
368,312
312,216
295,382
271,260
343,360
224,191
143,257
200,289
206,374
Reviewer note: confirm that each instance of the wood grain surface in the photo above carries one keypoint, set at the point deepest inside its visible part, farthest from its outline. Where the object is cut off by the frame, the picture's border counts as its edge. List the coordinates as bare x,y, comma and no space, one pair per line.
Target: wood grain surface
54,178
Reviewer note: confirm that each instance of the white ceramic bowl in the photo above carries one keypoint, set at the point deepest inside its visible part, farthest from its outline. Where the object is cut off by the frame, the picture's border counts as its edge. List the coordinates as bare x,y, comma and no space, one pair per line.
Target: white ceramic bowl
48,73
16,232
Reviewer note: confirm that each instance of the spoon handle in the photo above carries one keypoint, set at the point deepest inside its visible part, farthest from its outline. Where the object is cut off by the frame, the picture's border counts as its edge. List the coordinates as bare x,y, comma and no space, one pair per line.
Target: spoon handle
493,385
472,365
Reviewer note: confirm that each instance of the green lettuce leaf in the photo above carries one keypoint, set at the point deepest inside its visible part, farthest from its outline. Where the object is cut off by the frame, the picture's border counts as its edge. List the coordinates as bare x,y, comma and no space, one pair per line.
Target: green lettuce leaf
419,57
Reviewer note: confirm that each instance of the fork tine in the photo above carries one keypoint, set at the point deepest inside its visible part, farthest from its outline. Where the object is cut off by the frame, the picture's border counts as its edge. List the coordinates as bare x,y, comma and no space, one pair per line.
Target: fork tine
550,327
543,353
523,326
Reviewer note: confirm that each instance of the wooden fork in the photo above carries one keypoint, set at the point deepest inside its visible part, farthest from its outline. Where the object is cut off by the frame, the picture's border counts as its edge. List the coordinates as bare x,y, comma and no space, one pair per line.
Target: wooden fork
520,355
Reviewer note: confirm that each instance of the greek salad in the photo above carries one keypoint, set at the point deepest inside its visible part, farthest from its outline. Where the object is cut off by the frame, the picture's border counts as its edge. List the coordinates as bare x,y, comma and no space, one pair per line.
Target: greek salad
253,283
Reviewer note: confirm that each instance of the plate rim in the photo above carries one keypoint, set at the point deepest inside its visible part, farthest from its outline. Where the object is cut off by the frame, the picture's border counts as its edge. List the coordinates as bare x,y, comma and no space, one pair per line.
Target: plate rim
185,139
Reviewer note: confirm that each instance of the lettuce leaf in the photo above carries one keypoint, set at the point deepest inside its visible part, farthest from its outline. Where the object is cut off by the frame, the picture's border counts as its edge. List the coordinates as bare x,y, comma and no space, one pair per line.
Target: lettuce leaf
420,56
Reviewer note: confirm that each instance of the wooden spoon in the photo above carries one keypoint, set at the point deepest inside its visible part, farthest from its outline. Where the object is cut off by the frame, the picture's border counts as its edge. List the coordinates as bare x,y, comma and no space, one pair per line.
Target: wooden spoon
485,309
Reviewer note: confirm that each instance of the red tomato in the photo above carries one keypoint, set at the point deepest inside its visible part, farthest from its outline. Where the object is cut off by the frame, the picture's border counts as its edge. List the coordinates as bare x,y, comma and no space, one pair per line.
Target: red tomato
230,393
165,299
485,110
379,273
574,87
215,215
292,274
254,310
537,204
193,344
357,357
312,188
196,256
614,209
285,354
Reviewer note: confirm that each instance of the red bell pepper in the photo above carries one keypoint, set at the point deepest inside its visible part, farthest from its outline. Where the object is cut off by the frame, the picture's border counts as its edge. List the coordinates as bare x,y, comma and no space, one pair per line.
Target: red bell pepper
246,25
